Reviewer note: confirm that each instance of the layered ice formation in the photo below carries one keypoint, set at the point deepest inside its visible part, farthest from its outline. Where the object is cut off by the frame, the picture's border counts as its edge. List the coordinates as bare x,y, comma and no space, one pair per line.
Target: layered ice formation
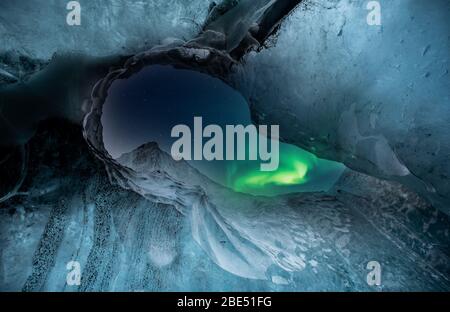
372,97
154,232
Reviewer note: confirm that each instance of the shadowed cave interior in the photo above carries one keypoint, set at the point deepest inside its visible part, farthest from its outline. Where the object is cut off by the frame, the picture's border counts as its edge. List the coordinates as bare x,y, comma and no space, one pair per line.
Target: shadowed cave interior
374,98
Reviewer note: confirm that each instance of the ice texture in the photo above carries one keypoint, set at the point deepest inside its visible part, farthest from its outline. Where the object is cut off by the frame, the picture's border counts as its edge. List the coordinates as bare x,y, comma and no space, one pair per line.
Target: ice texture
373,97
38,28
170,228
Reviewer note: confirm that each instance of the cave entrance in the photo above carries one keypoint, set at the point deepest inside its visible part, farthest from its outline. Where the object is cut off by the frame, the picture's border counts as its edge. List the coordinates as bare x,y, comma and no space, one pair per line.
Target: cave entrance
146,106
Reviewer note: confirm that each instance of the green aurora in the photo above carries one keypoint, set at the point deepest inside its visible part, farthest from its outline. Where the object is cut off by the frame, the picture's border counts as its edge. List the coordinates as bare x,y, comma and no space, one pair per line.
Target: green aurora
298,171
144,109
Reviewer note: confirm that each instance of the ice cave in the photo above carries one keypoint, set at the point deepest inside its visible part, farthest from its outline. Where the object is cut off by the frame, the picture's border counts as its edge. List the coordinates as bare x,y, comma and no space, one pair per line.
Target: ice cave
145,107
86,174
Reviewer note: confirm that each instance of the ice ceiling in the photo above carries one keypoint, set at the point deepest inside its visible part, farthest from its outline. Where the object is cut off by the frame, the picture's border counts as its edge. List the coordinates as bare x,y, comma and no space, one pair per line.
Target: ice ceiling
374,98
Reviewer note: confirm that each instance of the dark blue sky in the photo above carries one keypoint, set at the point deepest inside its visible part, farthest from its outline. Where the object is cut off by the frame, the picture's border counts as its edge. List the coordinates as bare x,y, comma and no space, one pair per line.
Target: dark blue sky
146,106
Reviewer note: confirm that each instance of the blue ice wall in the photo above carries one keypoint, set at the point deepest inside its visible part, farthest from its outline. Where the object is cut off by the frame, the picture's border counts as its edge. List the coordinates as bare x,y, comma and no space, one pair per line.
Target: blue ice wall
38,28
373,97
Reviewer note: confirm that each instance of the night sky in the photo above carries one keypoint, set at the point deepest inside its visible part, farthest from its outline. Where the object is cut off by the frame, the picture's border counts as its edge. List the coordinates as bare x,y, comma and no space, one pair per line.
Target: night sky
145,107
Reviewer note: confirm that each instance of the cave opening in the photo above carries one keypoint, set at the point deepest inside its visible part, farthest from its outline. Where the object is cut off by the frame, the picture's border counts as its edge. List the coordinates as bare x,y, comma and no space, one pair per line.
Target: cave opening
145,107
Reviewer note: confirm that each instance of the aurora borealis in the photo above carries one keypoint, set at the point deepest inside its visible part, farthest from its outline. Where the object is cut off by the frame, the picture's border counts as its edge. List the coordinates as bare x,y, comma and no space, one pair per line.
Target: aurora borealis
145,107
299,171
235,148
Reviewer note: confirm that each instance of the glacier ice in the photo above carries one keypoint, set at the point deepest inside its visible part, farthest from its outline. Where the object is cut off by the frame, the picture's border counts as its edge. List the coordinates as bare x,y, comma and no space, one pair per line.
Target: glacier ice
125,241
374,98
107,27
